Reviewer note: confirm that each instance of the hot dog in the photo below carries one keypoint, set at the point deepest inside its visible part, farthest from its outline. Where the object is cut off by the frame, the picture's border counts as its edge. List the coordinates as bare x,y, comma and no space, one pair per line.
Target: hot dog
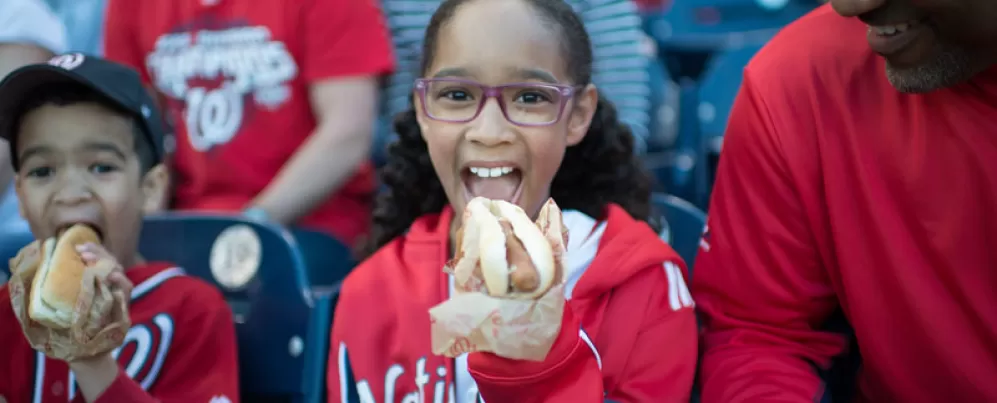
56,286
515,258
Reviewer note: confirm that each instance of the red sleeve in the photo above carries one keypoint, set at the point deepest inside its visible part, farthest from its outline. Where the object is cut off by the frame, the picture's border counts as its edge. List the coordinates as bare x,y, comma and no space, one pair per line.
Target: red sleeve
660,368
340,382
662,363
759,282
344,38
122,390
202,364
569,374
121,36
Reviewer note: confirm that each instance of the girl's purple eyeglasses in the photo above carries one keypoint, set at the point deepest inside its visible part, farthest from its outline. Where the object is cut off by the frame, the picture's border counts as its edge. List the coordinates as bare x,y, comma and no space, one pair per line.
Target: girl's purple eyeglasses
524,104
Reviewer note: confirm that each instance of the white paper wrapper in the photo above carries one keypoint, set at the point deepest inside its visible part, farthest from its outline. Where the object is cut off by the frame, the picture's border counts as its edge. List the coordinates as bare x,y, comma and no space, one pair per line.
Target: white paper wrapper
471,320
99,325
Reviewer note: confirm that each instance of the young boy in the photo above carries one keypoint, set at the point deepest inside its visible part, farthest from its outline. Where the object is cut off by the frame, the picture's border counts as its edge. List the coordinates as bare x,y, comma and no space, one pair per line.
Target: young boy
87,147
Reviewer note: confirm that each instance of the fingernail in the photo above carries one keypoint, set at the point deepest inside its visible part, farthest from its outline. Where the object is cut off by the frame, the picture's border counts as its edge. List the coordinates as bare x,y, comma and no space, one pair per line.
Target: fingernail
81,247
88,255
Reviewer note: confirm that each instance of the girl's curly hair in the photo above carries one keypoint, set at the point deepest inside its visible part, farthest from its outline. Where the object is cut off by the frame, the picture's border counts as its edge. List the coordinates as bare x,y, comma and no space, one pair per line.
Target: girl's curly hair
599,170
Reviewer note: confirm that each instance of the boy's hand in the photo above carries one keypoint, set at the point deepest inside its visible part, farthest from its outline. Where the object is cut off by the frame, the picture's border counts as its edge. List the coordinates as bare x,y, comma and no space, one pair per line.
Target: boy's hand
96,256
94,375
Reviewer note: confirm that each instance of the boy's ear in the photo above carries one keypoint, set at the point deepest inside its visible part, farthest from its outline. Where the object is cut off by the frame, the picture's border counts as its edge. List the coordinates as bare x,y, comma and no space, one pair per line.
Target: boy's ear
155,184
582,113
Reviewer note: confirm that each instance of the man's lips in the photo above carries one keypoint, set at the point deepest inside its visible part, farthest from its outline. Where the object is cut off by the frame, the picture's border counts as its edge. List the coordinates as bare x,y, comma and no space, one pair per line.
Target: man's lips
895,38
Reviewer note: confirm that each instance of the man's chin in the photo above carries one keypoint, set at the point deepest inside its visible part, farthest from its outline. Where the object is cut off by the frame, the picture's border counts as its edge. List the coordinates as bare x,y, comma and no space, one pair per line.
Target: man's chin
942,71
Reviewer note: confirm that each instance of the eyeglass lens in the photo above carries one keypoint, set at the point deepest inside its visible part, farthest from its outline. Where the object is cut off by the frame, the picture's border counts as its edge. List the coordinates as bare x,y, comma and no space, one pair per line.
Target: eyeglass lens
523,103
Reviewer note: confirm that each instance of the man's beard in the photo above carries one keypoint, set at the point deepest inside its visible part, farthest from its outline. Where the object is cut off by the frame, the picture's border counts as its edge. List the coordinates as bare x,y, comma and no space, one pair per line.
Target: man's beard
951,66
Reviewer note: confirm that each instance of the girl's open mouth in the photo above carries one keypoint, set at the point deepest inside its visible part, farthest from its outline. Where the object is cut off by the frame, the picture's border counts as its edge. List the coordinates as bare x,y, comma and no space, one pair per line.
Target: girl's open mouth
493,182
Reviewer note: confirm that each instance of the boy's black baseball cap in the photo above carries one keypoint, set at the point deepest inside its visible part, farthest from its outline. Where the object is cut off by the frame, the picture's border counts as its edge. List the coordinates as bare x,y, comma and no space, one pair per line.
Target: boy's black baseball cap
118,83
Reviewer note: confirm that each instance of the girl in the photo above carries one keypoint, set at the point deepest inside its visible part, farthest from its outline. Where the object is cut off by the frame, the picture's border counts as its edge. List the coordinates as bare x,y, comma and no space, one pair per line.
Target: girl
506,110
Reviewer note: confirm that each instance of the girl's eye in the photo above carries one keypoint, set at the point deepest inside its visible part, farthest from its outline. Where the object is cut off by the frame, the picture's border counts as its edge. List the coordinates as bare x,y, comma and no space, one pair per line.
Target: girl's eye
103,168
40,172
456,95
532,97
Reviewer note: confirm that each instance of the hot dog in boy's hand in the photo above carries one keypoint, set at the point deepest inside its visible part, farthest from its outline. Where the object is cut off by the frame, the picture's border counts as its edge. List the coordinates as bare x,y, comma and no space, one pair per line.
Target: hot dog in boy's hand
516,257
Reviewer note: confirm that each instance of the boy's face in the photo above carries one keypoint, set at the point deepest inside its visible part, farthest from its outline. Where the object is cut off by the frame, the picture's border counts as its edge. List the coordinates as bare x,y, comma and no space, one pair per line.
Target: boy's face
78,165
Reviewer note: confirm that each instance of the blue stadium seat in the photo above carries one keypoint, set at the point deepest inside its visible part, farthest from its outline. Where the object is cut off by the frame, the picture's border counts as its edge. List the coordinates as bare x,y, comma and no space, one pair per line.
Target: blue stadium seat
717,24
717,90
327,260
664,107
10,244
685,225
282,322
661,157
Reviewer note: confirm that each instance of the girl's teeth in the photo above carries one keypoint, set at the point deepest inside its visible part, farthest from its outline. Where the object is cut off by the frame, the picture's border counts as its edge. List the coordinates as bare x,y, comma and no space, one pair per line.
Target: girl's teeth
491,172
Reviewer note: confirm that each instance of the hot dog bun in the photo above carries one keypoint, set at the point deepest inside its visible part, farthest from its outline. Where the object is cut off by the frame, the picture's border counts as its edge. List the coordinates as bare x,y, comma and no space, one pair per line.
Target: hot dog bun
516,259
56,286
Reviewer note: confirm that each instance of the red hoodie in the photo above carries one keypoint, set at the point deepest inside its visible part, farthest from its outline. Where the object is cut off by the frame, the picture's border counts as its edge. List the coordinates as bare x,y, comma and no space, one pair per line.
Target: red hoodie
836,191
628,333
180,348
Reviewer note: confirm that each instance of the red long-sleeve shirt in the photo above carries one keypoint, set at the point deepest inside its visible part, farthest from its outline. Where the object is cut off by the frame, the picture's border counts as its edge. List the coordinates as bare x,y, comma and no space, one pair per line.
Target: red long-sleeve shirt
835,190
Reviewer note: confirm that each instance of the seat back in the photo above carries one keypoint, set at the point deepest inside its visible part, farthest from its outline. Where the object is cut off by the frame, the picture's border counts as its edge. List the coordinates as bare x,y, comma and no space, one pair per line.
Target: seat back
685,225
282,326
664,107
327,260
11,242
718,88
717,24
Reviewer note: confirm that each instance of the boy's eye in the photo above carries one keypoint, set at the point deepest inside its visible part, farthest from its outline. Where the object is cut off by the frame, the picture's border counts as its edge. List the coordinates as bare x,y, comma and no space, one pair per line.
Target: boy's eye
39,172
103,168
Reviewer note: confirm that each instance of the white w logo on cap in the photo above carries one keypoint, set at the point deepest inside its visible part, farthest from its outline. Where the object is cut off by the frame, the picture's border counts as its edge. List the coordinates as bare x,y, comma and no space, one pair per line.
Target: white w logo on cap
68,61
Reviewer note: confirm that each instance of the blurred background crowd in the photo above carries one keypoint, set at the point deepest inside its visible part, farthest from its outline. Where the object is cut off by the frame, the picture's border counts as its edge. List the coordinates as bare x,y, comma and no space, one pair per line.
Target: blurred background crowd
671,68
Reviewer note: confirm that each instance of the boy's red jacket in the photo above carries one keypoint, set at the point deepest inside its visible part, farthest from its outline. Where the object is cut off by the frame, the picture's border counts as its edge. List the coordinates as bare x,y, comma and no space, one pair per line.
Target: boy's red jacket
180,348
628,334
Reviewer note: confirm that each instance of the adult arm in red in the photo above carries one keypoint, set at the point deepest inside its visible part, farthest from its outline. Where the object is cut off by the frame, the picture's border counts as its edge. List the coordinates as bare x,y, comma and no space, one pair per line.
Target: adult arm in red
660,368
347,50
759,281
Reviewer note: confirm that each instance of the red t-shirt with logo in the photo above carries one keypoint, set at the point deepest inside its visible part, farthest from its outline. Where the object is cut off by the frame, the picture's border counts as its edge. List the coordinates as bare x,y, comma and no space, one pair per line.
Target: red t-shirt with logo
235,76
